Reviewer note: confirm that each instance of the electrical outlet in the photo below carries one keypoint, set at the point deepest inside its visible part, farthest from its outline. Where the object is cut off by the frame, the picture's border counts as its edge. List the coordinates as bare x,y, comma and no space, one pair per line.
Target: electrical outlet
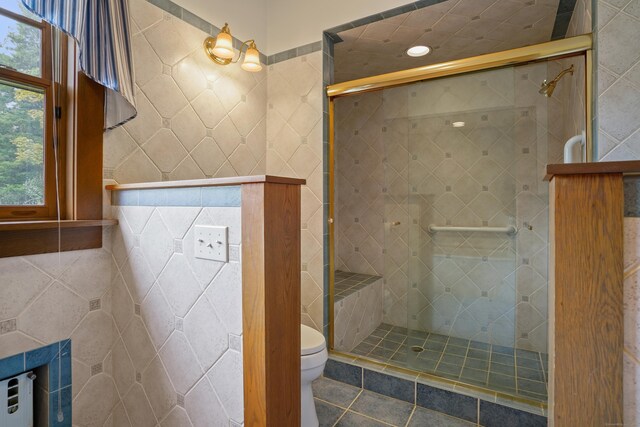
212,242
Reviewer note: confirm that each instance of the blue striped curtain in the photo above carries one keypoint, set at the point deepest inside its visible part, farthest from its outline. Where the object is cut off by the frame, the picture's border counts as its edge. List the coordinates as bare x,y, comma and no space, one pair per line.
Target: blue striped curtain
101,29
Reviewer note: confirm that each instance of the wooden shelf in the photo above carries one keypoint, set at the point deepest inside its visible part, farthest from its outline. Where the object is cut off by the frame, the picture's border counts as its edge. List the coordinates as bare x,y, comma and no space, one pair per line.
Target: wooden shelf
626,167
42,225
208,182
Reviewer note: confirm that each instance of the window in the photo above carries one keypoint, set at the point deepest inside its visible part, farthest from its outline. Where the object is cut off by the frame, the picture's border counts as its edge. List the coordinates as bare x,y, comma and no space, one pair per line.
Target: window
27,158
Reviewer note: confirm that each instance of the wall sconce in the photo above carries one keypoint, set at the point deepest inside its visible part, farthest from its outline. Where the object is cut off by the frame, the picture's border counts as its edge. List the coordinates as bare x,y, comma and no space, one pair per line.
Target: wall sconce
220,50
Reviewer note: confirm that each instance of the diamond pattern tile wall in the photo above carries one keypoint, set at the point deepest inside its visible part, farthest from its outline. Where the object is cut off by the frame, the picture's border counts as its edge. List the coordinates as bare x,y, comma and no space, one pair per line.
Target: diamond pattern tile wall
294,148
195,119
173,344
618,81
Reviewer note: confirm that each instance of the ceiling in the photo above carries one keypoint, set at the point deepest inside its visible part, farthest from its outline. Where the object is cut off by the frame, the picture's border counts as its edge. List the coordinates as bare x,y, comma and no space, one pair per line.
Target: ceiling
454,29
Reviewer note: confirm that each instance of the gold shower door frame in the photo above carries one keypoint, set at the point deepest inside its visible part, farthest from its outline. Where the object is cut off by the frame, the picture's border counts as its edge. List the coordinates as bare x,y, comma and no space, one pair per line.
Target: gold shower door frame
573,46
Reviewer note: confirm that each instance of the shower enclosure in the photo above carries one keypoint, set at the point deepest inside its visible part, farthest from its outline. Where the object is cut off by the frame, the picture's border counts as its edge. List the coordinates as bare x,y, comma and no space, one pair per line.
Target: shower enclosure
441,222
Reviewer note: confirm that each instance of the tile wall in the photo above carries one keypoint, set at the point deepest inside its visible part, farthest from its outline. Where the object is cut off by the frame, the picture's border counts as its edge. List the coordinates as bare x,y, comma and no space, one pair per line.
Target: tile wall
177,350
47,298
195,119
618,78
295,148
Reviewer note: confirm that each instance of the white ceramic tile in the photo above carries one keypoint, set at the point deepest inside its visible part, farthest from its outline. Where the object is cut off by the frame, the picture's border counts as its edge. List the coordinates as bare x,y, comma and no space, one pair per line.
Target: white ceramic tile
54,314
179,285
177,418
158,388
123,371
182,365
138,344
225,294
137,275
226,378
93,338
156,243
21,284
94,264
206,333
157,316
204,407
93,406
138,408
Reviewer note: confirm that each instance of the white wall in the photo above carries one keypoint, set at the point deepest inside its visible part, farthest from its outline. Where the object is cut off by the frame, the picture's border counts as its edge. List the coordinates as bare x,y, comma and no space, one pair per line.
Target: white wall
247,18
294,23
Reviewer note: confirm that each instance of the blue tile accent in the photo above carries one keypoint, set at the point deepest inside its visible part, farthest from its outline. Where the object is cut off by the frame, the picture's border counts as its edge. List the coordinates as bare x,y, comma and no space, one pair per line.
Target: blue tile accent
631,196
12,365
494,415
222,196
184,196
65,406
343,372
448,402
125,198
47,355
40,356
225,196
397,388
65,354
152,197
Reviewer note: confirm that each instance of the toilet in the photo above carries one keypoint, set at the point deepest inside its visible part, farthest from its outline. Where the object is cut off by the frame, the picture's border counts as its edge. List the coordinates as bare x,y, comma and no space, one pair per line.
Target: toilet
313,355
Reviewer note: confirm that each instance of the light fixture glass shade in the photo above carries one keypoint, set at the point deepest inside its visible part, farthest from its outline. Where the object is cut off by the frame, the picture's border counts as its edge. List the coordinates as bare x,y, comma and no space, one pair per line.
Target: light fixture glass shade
224,46
252,60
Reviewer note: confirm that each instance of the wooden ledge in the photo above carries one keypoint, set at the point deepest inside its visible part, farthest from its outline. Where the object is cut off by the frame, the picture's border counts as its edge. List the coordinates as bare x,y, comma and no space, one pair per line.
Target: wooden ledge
41,225
18,238
208,182
626,167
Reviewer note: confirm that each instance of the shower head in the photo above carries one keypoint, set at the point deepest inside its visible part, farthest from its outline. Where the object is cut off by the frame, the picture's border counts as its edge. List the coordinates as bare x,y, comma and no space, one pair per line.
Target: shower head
547,88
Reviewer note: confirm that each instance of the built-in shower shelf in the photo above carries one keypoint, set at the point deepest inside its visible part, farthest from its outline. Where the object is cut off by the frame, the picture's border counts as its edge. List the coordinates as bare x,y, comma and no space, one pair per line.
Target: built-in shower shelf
41,225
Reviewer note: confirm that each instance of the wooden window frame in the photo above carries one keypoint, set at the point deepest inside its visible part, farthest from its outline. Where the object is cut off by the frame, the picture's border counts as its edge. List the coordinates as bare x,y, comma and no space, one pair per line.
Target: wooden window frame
45,83
80,159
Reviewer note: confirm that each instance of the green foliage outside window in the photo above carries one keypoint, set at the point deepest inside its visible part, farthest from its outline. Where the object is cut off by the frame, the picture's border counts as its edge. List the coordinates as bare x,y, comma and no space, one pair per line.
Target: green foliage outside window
21,120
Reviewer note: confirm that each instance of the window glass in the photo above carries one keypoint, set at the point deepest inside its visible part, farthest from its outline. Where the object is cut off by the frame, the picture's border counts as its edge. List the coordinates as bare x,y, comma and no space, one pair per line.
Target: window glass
21,145
20,46
16,6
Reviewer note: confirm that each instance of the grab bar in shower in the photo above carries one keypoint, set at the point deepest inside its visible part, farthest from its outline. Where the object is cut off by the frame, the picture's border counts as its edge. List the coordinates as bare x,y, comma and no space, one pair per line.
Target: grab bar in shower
510,229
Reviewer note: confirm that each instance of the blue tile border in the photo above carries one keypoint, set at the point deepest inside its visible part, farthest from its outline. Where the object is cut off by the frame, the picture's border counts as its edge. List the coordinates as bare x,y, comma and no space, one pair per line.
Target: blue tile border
56,355
388,385
495,415
447,402
450,402
227,196
343,372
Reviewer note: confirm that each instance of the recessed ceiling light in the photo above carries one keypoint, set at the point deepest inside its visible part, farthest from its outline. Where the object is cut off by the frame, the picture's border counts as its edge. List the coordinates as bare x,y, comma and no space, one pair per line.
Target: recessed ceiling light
418,51
457,124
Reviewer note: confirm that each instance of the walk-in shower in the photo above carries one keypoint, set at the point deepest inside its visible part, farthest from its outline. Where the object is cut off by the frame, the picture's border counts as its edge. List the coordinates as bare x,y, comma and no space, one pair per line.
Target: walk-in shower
440,219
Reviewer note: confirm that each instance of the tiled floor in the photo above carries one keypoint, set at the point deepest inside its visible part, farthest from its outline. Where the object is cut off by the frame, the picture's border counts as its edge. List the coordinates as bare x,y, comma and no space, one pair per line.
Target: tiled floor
347,283
498,368
342,405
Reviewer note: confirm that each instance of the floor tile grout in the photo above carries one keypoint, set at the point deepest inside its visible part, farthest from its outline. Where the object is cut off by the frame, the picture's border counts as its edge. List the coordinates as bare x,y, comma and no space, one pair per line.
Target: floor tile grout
453,364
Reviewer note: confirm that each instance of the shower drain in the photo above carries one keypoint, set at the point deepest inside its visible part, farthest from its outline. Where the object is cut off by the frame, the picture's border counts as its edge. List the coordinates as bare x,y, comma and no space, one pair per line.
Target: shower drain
417,349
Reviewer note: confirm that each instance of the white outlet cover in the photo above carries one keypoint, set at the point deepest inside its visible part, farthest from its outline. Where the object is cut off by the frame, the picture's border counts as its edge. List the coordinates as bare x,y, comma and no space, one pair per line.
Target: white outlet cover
211,242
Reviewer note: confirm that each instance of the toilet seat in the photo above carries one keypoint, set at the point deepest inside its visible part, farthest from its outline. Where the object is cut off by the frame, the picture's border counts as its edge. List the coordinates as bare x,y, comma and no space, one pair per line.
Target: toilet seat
311,341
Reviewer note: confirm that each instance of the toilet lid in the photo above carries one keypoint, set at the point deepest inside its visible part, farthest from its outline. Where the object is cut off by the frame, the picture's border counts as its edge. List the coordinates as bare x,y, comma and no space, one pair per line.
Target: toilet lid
311,340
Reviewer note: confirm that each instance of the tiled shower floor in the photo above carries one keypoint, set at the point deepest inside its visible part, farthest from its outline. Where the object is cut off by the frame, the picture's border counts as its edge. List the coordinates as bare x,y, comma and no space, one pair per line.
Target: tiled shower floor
347,283
498,368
